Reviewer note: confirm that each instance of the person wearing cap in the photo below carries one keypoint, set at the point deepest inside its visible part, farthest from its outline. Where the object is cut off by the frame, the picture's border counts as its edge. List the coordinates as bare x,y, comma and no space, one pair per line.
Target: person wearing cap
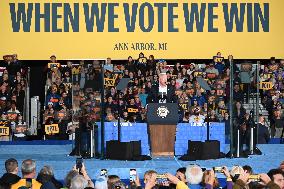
53,59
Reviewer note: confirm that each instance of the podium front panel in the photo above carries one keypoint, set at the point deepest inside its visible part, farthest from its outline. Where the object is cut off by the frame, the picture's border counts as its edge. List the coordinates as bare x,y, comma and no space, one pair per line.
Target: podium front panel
162,113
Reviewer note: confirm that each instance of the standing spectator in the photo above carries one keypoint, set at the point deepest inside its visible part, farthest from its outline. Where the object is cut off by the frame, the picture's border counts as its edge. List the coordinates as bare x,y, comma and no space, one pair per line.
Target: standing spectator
11,176
278,125
46,176
277,177
238,95
29,173
263,133
194,176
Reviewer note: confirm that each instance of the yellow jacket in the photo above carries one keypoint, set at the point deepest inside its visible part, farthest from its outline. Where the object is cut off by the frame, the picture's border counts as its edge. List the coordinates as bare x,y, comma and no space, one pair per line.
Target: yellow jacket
181,185
23,182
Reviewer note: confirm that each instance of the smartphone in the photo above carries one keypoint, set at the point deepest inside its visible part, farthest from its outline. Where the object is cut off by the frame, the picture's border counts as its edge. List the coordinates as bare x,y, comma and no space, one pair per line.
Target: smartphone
79,163
132,175
162,179
218,169
254,178
104,172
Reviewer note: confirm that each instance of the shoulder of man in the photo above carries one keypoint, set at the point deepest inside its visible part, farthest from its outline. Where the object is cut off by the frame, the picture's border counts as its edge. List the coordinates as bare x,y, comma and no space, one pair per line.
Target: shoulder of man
22,183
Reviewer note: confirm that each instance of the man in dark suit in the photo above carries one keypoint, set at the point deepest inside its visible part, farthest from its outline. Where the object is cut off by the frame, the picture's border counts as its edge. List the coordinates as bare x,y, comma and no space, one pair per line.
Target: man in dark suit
263,133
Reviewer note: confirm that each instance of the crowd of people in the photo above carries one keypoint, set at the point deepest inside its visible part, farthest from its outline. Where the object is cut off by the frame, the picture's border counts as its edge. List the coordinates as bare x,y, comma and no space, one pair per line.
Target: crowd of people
196,103
192,176
13,84
273,99
75,90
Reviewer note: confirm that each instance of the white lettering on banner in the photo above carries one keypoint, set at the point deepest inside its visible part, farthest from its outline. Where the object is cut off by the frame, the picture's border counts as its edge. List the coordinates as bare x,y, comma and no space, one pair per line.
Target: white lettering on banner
123,124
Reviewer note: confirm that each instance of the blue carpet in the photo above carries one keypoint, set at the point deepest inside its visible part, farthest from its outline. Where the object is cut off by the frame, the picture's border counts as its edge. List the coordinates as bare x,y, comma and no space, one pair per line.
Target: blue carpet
57,157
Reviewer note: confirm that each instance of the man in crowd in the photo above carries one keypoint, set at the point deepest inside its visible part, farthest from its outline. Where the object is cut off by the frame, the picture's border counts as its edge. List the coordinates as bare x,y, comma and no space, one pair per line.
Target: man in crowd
263,133
11,175
277,176
29,174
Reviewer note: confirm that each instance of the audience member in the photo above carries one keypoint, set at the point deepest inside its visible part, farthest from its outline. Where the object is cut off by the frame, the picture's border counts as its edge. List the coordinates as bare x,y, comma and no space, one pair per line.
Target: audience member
29,173
11,176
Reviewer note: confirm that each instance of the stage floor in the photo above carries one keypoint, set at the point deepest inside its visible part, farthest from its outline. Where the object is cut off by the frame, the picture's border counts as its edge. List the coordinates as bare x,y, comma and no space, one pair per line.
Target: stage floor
57,157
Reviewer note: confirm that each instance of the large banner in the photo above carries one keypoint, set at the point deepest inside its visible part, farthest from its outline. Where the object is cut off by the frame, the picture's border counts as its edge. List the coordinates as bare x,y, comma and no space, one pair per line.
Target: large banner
36,29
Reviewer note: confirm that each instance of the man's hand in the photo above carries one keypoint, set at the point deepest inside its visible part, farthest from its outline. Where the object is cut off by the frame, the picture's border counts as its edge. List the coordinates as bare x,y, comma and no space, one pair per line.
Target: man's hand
264,178
172,178
181,176
211,178
226,172
83,169
244,177
137,180
151,182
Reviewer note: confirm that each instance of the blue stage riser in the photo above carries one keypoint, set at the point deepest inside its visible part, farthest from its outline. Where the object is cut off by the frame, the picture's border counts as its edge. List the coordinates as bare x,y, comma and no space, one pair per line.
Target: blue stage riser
185,132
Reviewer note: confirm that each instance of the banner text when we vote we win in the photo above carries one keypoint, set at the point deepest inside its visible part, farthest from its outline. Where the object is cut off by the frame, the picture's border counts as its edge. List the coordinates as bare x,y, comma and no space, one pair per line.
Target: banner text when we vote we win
146,17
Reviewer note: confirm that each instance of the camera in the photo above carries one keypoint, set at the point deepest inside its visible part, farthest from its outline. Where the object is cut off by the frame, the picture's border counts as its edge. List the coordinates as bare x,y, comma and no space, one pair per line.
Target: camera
218,169
162,179
254,178
79,163
132,175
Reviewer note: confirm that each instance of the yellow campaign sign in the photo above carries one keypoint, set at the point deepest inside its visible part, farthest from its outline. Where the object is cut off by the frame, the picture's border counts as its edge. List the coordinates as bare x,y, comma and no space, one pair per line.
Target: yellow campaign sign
51,129
168,29
4,131
265,85
184,106
53,65
109,82
132,110
218,59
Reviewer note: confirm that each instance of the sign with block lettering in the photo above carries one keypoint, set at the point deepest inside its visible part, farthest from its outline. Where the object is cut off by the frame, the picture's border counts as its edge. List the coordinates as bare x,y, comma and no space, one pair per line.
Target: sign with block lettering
266,85
183,106
51,129
132,110
109,82
167,29
218,59
4,131
53,65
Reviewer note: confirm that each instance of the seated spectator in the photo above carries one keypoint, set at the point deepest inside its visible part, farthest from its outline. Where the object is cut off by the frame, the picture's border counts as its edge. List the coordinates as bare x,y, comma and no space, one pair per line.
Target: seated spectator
212,70
110,118
11,176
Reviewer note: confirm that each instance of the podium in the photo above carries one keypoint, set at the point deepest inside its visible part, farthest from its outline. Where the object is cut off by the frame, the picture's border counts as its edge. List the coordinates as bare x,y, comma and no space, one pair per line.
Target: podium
162,119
